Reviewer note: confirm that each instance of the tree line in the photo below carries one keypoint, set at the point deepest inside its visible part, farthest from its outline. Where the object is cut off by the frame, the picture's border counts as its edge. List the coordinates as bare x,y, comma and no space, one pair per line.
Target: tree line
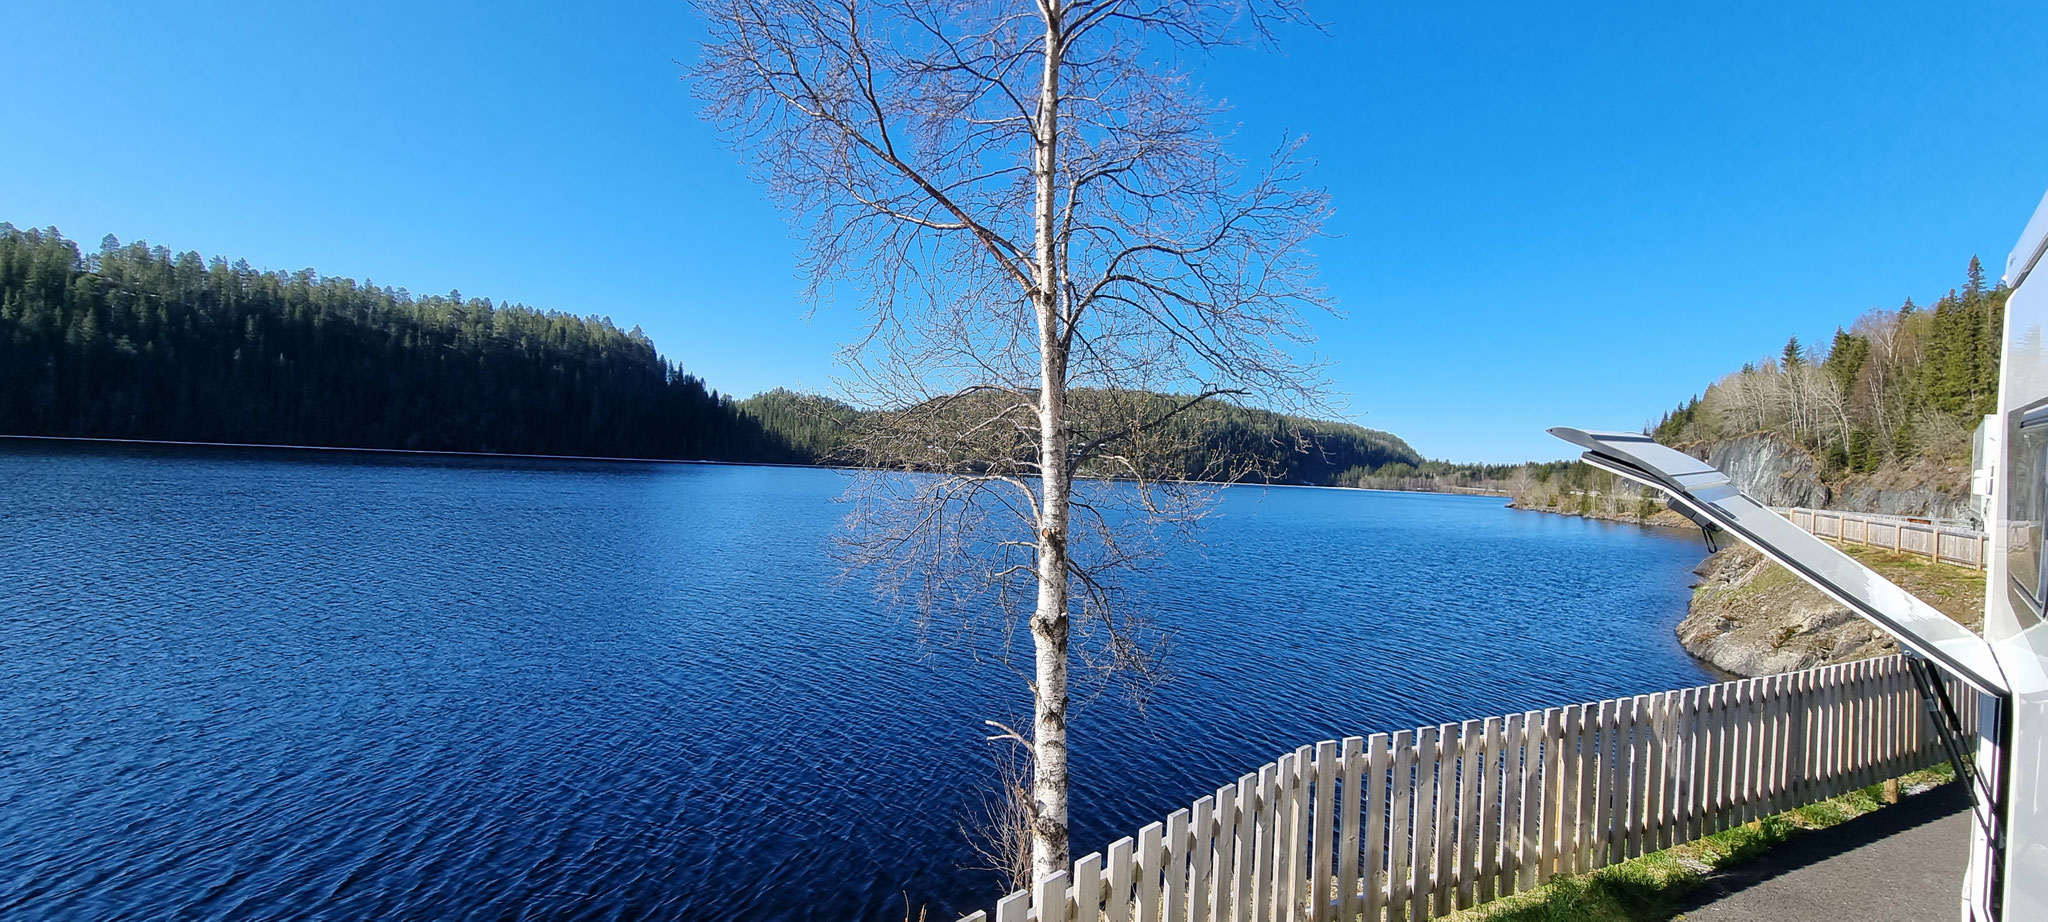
135,342
1895,388
1211,440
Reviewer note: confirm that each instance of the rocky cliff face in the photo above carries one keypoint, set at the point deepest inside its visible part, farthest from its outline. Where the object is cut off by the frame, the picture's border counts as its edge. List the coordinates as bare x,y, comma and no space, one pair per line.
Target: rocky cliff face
1751,617
1780,474
1770,471
1941,494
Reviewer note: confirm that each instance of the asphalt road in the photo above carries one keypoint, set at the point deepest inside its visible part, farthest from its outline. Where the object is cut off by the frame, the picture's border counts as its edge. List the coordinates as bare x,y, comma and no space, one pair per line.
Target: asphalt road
1903,863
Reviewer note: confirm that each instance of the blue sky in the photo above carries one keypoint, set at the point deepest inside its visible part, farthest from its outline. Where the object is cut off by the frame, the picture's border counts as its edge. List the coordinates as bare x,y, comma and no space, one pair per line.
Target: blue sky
1547,213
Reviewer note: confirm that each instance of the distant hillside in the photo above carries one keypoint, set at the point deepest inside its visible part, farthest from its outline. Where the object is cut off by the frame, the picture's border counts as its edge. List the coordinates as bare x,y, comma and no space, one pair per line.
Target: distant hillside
134,342
815,428
1877,419
1214,440
1895,387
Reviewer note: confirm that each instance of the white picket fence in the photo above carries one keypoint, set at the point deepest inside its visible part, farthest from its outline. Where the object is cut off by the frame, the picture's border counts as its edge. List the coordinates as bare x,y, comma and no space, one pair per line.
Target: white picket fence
1935,541
1421,823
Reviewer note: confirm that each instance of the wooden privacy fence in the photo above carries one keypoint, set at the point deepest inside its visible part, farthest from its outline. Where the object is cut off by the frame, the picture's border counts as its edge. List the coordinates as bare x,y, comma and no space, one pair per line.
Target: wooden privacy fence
1945,543
1421,823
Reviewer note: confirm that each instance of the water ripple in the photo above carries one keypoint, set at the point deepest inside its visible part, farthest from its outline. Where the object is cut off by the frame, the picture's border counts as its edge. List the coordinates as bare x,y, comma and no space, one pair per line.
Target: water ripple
275,685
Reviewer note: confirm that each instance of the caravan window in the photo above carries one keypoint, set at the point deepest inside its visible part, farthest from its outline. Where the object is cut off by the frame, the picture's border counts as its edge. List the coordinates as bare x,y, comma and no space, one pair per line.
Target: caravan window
2026,508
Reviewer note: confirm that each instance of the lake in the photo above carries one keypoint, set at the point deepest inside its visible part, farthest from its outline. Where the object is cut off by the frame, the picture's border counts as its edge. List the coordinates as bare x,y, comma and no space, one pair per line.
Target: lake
249,684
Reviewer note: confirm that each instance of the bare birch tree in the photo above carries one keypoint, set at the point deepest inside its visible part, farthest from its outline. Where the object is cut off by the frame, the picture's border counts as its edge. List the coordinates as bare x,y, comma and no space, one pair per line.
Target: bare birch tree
1831,405
1061,259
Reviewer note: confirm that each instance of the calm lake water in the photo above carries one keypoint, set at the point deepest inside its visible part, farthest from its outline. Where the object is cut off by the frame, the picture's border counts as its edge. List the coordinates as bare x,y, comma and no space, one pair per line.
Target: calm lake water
267,684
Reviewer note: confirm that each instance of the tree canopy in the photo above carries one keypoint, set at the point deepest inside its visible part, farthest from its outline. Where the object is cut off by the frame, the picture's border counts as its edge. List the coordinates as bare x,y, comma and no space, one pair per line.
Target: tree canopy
137,342
1895,388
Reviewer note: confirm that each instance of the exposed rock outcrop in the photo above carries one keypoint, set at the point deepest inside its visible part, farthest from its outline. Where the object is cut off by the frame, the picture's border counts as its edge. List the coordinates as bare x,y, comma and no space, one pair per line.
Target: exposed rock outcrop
1770,471
1751,617
1940,491
1778,473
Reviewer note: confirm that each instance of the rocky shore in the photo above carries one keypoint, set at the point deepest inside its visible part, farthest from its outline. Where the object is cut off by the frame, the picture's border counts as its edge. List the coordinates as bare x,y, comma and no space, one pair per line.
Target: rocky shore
1662,518
1751,617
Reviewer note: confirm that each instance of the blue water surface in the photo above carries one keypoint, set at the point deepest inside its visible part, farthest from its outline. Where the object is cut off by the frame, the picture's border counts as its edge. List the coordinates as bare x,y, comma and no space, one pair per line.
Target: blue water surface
272,684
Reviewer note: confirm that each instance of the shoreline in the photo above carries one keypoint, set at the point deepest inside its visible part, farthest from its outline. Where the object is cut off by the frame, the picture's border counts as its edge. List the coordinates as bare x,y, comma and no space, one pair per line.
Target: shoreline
608,459
1663,518
417,452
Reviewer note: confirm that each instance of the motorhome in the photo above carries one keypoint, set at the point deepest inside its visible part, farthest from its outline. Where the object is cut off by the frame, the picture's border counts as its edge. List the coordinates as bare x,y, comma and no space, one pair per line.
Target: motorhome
2002,766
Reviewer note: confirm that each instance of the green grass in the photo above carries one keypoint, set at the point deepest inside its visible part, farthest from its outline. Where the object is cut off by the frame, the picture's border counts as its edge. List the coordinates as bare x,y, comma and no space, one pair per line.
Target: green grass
1651,888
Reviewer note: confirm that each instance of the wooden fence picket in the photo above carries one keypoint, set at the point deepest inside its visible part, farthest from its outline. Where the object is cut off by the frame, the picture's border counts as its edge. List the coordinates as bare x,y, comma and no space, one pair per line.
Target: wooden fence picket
1472,738
1151,853
1570,796
1530,815
1401,821
1350,809
1377,764
1420,823
1451,738
1244,865
1117,902
1422,851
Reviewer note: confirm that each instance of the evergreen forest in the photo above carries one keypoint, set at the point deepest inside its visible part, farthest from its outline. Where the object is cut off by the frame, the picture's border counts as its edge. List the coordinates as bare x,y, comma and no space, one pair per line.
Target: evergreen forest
133,341
1895,389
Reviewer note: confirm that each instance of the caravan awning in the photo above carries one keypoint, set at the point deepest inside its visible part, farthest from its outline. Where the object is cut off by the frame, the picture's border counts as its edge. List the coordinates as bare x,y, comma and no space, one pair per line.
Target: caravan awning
1709,497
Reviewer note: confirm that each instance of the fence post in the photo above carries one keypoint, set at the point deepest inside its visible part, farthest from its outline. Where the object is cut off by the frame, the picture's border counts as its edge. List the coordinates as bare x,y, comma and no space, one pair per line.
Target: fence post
1376,833
1150,854
1601,733
1550,826
1321,849
1471,769
1400,823
1122,865
1173,894
1088,888
1496,808
1298,834
1454,739
1422,855
1569,799
1530,820
1244,868
1448,817
1348,811
1262,873
1014,908
1223,878
1200,865
1051,901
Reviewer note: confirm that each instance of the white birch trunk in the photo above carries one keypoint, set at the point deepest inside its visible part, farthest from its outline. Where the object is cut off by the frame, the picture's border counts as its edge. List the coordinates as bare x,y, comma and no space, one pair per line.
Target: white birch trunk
1049,622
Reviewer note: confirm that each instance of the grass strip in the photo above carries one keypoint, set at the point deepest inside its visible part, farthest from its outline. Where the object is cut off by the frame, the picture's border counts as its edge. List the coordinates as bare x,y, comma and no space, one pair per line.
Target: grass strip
1651,888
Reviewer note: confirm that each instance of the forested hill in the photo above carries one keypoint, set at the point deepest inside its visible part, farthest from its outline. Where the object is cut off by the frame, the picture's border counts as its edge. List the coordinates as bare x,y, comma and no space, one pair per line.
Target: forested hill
1213,440
1877,419
135,342
1896,389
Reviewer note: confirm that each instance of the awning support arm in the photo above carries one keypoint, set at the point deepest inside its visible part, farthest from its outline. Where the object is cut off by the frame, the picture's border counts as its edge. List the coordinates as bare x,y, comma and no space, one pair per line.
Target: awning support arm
1941,712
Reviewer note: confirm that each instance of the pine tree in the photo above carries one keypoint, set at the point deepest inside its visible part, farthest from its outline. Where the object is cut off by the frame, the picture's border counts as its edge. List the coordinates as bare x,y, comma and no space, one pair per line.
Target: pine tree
136,342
